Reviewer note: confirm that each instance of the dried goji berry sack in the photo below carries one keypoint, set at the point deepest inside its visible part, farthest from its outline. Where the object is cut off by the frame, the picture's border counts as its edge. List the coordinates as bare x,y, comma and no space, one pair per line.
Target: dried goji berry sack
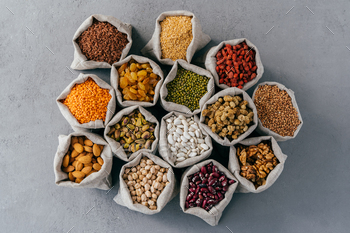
129,133
229,116
259,152
155,193
273,97
176,36
100,41
87,102
195,203
240,72
195,143
149,84
100,179
187,87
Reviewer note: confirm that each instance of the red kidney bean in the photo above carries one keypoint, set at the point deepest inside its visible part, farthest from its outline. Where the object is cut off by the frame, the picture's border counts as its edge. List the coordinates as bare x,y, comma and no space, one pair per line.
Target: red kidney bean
195,178
192,205
200,196
186,205
225,188
211,195
201,175
199,202
195,196
215,169
192,190
216,197
212,190
209,169
211,202
189,196
204,190
219,195
215,174
204,203
197,189
204,170
222,177
198,182
231,181
204,181
212,181
224,183
192,200
192,185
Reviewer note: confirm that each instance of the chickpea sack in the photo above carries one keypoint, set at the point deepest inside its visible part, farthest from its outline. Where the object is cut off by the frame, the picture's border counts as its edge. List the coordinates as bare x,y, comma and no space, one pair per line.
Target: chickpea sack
147,184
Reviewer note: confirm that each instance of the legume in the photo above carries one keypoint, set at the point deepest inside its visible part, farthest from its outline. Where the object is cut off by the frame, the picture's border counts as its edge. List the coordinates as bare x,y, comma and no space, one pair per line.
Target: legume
207,187
187,88
87,101
236,65
175,36
102,42
146,182
137,81
276,111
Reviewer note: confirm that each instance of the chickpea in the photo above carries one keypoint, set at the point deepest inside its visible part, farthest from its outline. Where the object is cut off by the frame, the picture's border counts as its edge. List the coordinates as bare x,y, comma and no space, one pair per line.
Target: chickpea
125,176
165,178
130,178
148,194
135,176
149,162
137,186
153,170
144,203
159,178
133,169
141,177
138,199
144,172
147,187
158,193
143,164
149,176
127,170
148,167
143,198
162,169
154,196
157,167
153,177
150,202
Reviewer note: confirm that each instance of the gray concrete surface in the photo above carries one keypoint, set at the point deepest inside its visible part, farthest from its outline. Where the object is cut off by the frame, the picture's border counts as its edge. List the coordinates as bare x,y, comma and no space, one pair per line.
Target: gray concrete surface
302,45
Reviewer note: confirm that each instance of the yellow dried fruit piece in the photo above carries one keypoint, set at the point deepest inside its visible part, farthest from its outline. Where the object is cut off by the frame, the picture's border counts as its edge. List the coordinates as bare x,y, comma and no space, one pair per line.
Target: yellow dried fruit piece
85,159
145,65
123,82
78,147
88,142
142,73
141,86
132,90
153,75
122,68
133,76
65,162
96,150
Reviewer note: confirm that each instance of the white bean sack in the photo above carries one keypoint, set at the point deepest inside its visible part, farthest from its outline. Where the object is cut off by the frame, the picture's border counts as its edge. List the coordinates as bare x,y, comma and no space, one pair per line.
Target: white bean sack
232,92
80,62
115,81
198,42
171,106
164,149
210,62
169,192
265,131
212,216
245,185
101,179
92,124
117,149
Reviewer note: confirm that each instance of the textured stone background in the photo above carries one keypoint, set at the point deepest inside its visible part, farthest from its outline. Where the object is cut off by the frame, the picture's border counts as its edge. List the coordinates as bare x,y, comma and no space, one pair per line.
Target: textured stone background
311,195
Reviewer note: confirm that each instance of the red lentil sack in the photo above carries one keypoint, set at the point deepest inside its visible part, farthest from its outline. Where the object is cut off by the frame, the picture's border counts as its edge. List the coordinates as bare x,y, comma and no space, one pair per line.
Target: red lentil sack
233,68
117,148
164,146
109,109
245,185
105,46
171,106
199,39
115,81
168,192
266,131
212,217
233,91
101,179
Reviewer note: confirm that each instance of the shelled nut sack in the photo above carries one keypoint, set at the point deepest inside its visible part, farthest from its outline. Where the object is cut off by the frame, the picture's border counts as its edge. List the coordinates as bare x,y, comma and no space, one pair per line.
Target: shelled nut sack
147,184
229,116
100,41
235,63
278,112
256,163
137,81
177,35
132,130
182,141
83,160
186,88
87,102
206,189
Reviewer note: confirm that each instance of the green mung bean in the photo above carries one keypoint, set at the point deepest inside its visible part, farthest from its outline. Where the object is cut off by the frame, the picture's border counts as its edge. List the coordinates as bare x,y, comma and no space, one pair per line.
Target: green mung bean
187,88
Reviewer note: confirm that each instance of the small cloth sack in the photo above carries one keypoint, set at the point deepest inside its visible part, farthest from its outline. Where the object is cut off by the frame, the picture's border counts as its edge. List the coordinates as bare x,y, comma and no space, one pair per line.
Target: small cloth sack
101,179
80,61
265,131
199,40
169,192
212,216
245,185
115,81
117,149
210,62
92,124
171,106
164,148
233,91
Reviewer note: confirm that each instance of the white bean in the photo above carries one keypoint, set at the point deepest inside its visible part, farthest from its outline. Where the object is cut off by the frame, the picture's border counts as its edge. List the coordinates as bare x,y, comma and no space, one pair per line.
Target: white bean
170,139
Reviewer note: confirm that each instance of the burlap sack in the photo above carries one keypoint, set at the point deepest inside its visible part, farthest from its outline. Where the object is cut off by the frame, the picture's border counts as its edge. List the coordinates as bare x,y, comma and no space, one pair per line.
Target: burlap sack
212,216
171,106
169,192
92,124
164,149
115,81
117,149
210,62
80,62
101,179
198,42
246,186
265,131
232,92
